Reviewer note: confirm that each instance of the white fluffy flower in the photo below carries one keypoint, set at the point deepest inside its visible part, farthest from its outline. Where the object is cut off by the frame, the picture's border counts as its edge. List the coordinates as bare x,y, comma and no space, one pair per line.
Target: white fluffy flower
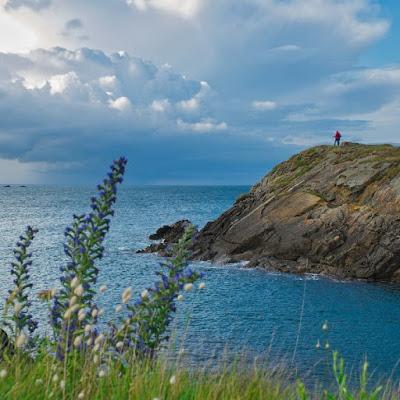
202,285
180,297
119,345
188,287
70,311
81,314
55,378
79,290
99,339
73,300
126,295
145,294
74,282
3,373
88,328
62,384
172,380
78,341
81,395
21,340
95,312
17,307
102,373
325,326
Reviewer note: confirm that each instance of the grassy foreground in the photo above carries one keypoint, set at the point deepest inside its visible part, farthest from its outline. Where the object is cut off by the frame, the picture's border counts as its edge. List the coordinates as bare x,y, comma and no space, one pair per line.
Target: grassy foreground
81,377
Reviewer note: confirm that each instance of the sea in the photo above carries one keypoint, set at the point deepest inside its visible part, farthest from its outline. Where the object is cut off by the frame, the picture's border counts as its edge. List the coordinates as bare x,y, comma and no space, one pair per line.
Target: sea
243,314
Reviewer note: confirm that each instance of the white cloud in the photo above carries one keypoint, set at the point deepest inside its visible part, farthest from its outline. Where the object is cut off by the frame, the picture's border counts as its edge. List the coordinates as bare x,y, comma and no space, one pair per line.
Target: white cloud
194,103
264,105
60,83
182,8
160,105
36,5
50,98
108,82
189,105
285,48
121,104
15,36
274,67
206,125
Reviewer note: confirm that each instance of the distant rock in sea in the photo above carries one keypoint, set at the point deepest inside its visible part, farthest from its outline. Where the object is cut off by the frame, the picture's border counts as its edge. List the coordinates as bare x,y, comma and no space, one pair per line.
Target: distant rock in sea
166,236
326,210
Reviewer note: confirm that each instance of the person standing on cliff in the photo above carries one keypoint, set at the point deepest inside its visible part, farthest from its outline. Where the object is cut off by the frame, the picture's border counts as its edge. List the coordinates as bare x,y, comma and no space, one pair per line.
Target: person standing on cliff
337,137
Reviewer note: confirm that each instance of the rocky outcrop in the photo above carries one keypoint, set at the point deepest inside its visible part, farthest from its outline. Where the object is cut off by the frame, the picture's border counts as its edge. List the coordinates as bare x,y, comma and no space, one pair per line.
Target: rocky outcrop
333,211
166,237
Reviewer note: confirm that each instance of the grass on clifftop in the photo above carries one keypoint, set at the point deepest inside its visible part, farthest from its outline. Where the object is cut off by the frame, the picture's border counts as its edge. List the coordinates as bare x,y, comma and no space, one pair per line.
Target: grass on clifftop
286,173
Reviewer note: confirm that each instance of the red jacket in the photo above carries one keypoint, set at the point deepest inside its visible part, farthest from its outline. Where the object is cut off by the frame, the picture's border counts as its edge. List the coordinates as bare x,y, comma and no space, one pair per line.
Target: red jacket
338,135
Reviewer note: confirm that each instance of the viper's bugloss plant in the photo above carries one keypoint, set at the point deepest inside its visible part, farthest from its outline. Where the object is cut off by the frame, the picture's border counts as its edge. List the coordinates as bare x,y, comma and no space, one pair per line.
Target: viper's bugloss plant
18,320
74,314
73,307
145,328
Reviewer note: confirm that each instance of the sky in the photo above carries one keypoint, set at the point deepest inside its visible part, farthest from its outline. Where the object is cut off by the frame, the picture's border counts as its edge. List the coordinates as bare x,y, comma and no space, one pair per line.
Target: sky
191,91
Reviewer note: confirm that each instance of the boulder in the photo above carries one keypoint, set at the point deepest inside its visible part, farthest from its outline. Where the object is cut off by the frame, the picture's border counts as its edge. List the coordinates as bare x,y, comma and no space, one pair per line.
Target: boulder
166,237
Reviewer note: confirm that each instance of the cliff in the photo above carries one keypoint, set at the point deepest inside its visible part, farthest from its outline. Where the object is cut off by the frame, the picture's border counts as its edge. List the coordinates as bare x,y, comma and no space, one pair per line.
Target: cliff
332,211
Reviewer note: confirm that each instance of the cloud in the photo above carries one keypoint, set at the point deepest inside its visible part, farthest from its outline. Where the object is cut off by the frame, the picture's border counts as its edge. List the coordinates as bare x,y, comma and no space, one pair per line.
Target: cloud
74,28
121,103
160,105
62,109
62,106
264,105
73,24
257,80
256,48
206,125
15,35
35,5
182,8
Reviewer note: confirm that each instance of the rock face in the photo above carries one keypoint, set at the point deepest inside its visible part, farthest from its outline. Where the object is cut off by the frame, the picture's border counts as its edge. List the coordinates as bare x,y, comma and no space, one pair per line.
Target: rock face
166,237
332,211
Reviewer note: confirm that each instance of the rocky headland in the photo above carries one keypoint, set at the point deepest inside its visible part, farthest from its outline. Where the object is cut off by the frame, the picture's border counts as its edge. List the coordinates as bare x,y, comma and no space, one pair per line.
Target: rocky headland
331,211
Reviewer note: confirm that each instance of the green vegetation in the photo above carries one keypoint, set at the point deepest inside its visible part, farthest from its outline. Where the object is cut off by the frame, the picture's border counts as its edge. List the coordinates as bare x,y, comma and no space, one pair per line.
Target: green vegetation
286,173
81,377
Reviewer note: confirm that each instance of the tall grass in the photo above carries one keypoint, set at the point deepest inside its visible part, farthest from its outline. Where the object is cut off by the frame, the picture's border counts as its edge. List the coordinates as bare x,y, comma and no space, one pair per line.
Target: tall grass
45,377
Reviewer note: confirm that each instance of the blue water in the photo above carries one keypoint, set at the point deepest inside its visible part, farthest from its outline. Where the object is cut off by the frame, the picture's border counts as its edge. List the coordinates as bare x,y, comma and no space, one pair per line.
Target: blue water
252,312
